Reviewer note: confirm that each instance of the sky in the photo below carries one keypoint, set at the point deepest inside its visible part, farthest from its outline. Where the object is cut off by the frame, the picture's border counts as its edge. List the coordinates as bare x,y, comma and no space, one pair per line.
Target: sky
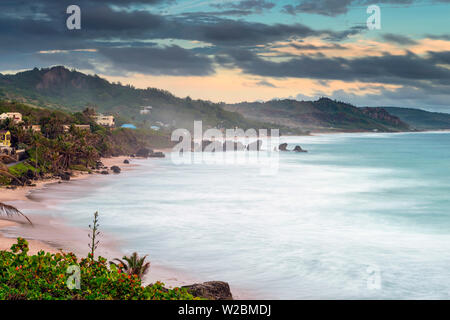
244,50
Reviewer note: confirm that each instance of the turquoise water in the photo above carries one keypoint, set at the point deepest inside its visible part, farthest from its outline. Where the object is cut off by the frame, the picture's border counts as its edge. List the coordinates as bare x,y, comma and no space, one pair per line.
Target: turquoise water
359,216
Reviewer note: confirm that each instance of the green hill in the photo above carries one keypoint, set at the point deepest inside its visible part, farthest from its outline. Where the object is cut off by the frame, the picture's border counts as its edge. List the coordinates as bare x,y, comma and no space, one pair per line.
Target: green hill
69,90
421,119
321,115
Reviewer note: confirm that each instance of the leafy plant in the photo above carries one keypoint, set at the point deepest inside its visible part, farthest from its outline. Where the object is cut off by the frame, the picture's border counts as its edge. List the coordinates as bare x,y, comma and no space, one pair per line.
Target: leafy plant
44,277
133,265
93,236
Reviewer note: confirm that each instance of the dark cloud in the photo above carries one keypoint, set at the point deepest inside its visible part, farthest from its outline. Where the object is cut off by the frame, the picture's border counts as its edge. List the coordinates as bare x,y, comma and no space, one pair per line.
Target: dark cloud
171,60
254,5
265,83
334,8
399,39
405,69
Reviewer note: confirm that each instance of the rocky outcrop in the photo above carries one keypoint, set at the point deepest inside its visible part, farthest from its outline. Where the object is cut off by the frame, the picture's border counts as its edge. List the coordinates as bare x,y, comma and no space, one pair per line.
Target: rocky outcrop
283,147
115,169
233,146
64,176
212,290
144,152
157,155
255,146
299,149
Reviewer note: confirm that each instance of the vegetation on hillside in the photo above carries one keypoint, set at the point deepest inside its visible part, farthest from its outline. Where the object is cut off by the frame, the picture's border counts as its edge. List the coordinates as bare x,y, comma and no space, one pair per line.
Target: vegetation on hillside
321,115
421,119
54,151
69,90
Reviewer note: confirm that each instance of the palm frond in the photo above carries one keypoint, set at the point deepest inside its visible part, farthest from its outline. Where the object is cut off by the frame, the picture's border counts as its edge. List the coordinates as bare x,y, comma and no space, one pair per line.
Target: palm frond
10,211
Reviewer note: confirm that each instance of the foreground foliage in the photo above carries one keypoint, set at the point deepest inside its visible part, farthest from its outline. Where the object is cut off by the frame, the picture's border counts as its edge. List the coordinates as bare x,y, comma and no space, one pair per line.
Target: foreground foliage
44,276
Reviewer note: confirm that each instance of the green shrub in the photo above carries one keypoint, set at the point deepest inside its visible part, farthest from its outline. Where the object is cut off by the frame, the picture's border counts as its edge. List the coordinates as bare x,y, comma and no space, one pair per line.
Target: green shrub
44,277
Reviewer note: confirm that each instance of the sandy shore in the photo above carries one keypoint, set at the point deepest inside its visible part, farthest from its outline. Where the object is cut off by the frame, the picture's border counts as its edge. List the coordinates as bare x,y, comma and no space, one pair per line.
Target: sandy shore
21,194
53,234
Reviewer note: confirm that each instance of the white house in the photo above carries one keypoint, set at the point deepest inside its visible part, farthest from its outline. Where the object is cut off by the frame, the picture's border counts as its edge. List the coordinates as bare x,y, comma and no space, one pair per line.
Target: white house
16,117
107,121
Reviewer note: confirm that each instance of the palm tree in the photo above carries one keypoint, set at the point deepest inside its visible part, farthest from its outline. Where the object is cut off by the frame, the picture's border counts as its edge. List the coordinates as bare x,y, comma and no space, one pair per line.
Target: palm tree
133,265
10,211
4,171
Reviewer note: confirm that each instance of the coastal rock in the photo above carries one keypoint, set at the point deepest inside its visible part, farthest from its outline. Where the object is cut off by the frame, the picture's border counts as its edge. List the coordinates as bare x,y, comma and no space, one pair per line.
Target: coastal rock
283,147
144,152
126,161
299,149
30,174
98,165
104,172
115,169
233,146
255,146
64,176
157,155
213,290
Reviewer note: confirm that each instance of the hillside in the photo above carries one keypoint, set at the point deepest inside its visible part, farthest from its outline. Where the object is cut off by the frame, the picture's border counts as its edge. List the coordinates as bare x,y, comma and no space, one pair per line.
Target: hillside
421,119
69,90
321,115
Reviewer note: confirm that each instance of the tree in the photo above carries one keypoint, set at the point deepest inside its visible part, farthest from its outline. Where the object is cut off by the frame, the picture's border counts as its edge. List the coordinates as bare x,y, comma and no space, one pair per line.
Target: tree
133,265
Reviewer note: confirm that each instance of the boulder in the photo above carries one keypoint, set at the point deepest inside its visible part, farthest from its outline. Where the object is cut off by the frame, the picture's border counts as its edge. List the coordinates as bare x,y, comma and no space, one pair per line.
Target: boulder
104,172
115,169
255,146
157,155
212,290
299,149
233,146
64,176
144,152
126,161
98,165
283,147
30,174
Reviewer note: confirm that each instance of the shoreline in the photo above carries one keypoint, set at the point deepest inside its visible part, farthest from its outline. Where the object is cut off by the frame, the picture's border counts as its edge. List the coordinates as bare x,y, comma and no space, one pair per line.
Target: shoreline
53,234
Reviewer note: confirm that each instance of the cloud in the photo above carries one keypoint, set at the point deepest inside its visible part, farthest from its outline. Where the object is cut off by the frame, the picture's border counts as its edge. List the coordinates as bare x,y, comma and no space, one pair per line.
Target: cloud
398,39
334,8
171,60
254,5
405,69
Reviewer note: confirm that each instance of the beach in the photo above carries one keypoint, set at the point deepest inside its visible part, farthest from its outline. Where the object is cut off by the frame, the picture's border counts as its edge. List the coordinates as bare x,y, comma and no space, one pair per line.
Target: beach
55,235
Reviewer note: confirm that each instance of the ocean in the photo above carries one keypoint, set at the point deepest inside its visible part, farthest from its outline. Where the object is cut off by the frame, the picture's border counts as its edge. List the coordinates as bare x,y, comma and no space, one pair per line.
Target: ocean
360,216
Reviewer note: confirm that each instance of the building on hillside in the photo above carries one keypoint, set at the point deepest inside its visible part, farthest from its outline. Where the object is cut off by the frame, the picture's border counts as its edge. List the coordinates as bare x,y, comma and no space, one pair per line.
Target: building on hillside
16,117
33,127
145,110
86,127
103,120
5,138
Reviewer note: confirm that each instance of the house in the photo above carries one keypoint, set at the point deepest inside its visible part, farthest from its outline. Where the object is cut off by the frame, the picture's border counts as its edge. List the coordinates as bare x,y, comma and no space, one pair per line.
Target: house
33,127
5,138
103,120
16,117
145,110
87,127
